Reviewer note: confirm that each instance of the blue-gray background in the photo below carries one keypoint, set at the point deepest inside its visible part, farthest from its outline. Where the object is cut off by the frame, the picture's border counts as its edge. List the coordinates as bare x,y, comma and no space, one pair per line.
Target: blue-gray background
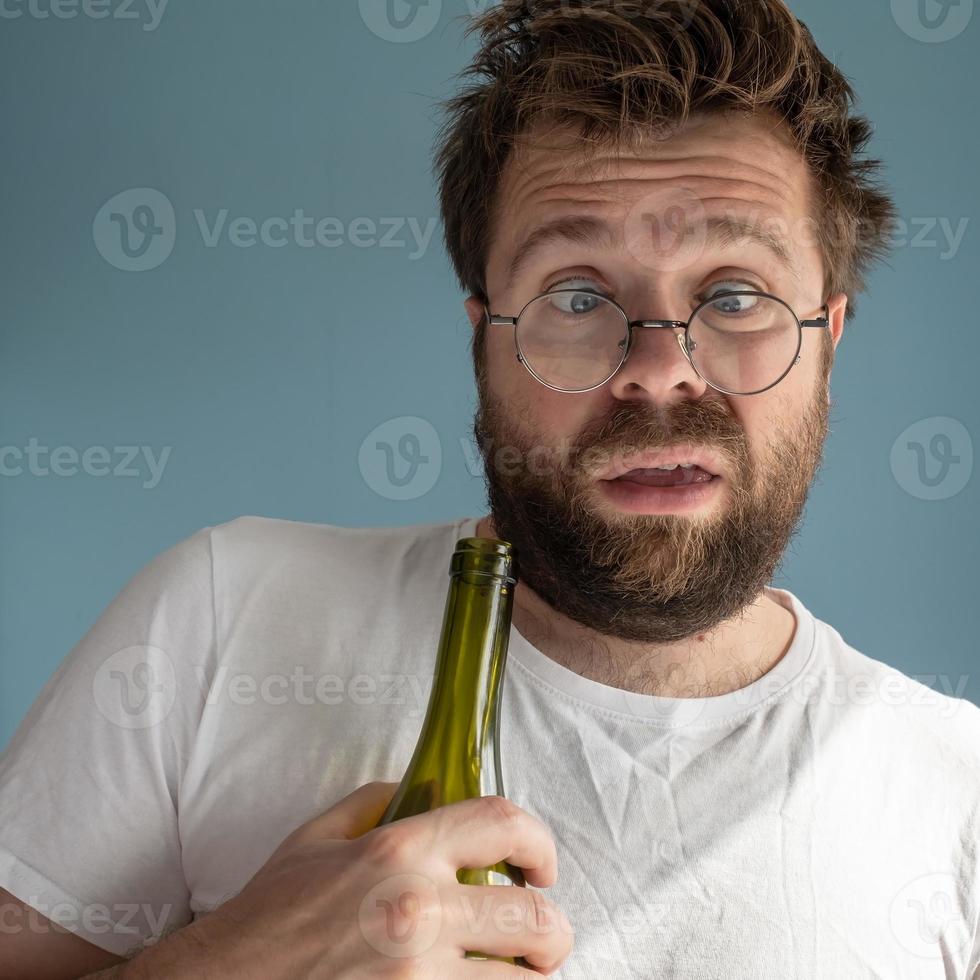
264,369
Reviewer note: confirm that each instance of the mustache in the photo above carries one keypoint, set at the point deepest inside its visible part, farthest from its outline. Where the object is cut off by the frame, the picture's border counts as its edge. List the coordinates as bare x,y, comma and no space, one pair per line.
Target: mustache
639,426
631,427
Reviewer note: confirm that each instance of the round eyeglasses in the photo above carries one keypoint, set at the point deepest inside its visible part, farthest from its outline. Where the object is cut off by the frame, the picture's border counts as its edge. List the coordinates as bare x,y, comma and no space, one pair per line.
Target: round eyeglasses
740,342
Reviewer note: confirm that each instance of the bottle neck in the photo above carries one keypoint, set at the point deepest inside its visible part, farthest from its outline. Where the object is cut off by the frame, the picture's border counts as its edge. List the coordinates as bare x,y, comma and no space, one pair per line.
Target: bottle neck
457,756
471,659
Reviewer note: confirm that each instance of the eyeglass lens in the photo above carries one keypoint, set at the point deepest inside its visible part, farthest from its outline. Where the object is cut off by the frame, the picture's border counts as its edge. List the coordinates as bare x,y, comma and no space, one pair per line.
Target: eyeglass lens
575,339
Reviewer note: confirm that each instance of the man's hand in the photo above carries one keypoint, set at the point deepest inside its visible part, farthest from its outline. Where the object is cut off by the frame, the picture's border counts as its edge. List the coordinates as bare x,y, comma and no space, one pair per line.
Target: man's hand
339,900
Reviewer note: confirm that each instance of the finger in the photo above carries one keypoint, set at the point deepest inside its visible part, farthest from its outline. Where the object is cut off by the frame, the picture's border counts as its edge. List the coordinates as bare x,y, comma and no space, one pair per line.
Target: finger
480,832
477,969
354,815
507,921
491,970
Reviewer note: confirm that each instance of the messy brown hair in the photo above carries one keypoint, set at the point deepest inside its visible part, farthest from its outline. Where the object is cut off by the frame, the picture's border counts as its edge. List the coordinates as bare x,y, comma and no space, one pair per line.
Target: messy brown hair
622,69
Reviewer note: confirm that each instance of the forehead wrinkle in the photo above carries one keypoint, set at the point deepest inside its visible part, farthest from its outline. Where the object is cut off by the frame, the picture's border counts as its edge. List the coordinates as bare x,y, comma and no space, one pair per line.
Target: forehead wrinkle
539,181
620,190
728,194
712,163
722,231
561,177
730,206
737,169
535,217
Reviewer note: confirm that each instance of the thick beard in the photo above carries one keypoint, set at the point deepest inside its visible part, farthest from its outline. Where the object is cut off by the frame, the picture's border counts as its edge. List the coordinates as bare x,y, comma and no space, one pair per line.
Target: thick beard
650,578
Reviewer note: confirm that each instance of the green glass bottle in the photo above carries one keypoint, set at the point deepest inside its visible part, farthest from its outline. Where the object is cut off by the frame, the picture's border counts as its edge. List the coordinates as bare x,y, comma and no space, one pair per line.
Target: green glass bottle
457,755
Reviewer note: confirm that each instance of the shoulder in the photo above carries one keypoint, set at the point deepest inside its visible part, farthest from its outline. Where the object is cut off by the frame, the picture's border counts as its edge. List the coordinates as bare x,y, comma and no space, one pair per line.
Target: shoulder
924,714
275,539
271,553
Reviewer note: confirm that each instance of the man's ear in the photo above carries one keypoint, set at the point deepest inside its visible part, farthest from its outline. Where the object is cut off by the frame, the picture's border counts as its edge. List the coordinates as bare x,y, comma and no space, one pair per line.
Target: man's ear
474,310
837,306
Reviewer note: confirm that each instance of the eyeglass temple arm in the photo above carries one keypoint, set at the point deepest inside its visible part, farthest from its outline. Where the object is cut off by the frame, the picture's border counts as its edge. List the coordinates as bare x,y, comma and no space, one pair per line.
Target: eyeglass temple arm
821,321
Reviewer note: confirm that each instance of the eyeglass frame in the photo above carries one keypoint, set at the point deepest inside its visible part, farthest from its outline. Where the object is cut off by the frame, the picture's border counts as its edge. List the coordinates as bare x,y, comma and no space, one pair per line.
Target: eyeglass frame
498,320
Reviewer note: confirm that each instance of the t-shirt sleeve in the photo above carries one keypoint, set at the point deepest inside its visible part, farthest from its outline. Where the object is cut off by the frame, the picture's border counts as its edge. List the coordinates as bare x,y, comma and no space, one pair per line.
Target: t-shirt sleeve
90,781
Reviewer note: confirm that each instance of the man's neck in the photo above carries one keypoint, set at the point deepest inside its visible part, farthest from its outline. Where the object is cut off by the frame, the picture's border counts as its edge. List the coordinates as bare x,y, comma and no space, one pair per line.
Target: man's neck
732,656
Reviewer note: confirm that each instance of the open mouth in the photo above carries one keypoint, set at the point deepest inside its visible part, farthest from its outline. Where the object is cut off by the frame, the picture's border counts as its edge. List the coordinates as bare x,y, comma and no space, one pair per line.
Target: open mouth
678,475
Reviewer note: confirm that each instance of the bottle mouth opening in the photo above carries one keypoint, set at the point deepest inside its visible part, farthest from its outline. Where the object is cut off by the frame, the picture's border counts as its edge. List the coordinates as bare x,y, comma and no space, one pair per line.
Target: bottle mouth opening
485,556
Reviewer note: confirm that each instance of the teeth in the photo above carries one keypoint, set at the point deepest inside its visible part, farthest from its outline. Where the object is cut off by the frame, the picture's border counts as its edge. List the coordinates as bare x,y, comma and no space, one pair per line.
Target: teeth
669,468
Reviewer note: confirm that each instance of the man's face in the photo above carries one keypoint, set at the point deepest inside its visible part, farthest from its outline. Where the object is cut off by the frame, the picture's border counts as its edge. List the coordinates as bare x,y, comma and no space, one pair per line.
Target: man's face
635,570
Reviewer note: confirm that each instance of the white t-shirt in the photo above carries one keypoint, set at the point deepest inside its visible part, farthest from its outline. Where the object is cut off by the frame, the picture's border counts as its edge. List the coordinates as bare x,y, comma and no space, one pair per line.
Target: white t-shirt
822,822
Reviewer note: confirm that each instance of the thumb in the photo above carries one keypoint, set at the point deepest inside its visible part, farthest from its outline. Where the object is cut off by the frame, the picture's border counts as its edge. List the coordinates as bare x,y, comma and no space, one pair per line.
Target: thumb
355,814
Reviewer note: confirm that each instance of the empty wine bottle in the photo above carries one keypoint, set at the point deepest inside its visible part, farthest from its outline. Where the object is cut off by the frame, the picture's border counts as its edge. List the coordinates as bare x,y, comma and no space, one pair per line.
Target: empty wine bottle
457,755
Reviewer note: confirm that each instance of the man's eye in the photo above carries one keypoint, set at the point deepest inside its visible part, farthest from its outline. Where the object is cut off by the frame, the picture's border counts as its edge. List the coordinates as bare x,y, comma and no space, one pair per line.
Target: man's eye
731,304
574,300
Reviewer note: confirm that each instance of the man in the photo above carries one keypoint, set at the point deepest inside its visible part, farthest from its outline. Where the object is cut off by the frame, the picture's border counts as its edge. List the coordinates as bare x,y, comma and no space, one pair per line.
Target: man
661,220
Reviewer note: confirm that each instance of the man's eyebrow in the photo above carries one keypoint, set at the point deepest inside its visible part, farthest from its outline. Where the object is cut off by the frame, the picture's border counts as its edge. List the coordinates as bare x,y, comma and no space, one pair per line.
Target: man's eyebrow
719,230
572,229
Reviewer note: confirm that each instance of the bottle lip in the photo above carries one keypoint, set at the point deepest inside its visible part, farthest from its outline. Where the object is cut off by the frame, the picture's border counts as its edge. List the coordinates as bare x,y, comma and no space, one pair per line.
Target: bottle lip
493,545
492,557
